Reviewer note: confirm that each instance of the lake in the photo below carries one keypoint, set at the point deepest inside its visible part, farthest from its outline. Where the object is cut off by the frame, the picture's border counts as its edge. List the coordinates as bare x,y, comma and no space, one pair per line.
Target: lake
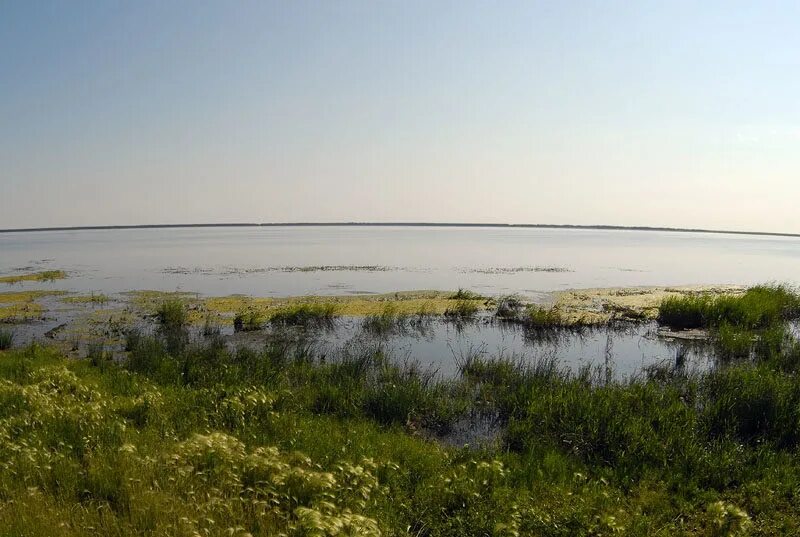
351,260
285,261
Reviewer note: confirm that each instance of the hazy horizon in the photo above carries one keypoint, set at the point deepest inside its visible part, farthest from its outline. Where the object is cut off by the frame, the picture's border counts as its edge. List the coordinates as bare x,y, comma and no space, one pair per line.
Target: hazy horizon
678,115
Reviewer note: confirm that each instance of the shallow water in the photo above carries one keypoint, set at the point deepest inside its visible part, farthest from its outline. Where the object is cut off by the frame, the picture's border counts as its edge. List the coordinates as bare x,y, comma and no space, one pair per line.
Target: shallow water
441,346
283,261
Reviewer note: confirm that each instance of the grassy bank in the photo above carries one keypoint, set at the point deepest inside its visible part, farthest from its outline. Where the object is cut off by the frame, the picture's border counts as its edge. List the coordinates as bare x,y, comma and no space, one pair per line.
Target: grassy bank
750,325
292,310
193,438
190,437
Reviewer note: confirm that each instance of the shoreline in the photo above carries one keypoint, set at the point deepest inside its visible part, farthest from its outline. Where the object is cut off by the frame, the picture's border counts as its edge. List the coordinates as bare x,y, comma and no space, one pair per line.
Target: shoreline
592,227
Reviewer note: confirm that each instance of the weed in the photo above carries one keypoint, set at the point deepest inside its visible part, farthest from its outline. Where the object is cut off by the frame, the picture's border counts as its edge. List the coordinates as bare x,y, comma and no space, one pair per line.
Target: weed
201,439
248,321
309,314
759,307
172,314
44,276
466,294
6,339
462,310
210,329
509,308
388,320
539,317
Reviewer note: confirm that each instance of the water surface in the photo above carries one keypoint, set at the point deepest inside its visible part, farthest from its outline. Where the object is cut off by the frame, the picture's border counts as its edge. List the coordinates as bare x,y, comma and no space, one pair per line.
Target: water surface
283,261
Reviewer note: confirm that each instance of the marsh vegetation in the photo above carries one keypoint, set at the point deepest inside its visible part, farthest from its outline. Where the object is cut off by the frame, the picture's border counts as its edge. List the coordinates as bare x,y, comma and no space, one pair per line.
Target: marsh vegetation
187,435
43,276
190,432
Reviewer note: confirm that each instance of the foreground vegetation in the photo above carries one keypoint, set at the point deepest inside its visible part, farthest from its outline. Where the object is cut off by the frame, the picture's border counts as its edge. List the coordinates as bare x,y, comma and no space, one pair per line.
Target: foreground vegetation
188,437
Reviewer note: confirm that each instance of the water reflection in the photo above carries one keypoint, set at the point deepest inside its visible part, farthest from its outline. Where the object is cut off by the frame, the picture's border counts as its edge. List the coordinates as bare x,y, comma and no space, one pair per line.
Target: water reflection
619,350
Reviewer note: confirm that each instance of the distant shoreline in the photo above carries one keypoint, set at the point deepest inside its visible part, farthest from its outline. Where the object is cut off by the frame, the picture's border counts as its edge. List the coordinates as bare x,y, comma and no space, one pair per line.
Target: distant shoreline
406,224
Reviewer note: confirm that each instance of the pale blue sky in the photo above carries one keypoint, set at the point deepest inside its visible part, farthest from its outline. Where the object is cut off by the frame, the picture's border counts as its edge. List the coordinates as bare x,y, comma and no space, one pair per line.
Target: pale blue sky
631,113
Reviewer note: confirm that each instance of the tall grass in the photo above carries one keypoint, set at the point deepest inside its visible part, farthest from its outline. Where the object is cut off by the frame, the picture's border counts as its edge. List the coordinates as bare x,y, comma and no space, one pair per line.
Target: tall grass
310,314
172,314
248,321
750,325
203,439
759,307
539,317
389,319
462,310
466,294
6,339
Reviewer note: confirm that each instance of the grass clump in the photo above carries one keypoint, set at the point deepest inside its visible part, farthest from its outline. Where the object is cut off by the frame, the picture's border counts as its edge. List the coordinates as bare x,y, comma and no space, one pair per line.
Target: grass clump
172,314
759,307
532,316
308,314
540,317
384,321
6,339
393,320
248,321
466,294
173,318
740,324
462,310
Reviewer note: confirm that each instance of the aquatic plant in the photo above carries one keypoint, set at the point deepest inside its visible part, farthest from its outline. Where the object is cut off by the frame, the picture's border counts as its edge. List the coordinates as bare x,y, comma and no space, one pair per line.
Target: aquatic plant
6,339
172,314
462,310
540,317
248,321
466,294
44,276
757,308
389,319
210,328
509,308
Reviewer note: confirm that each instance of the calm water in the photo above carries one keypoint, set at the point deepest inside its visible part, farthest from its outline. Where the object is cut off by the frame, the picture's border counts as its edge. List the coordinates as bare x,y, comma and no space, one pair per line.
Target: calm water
625,350
279,261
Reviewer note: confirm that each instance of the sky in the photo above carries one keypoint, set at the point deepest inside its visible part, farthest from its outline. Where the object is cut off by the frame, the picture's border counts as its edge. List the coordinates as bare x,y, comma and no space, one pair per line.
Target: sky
682,114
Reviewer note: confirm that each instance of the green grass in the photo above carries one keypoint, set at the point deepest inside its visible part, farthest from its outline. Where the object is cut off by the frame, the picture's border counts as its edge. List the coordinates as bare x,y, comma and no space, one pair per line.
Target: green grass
462,310
6,339
172,314
200,439
539,317
533,316
752,324
759,307
277,442
387,320
466,294
248,321
311,314
44,276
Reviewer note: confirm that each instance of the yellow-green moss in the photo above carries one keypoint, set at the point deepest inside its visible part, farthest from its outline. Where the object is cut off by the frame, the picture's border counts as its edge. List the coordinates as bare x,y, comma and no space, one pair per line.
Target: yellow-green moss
22,306
44,276
597,306
200,309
